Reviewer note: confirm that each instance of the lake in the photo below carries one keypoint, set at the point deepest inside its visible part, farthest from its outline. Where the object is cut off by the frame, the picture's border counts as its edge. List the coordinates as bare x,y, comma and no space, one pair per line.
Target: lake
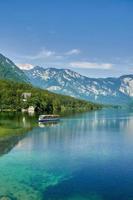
87,156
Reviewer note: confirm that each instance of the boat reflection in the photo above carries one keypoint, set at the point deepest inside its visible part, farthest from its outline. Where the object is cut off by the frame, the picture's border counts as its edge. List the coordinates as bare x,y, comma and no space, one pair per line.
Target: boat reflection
46,124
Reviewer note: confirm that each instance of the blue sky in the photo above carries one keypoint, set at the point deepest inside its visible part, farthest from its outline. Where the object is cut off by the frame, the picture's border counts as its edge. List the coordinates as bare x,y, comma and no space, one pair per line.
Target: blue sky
92,37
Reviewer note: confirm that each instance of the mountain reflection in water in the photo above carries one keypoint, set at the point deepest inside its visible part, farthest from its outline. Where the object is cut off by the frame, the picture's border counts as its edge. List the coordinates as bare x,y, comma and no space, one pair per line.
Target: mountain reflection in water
13,127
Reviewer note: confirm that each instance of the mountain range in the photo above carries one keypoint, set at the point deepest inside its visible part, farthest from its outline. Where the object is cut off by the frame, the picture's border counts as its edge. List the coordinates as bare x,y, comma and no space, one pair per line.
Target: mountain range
64,81
101,90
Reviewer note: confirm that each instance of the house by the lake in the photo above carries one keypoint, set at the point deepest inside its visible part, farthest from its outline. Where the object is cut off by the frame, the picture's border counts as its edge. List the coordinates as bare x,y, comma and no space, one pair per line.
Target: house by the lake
25,96
30,109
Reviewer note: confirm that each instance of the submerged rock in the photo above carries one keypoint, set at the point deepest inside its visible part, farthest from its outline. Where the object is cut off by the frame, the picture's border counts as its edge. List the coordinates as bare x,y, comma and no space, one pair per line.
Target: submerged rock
6,198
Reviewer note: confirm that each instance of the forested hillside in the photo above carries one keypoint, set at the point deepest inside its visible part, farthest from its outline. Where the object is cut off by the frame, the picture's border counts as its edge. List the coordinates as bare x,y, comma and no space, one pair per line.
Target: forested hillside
11,98
9,71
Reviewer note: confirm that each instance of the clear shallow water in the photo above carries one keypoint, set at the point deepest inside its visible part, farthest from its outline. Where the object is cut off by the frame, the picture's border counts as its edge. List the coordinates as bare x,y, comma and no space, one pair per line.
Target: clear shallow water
84,157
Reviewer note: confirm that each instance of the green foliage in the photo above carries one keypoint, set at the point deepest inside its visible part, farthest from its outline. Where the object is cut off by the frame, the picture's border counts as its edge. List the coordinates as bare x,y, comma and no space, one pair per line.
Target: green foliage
42,100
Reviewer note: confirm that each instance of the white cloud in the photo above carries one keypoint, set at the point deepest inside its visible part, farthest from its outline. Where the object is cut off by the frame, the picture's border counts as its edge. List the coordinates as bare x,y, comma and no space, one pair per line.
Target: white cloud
42,54
73,52
25,66
91,65
51,55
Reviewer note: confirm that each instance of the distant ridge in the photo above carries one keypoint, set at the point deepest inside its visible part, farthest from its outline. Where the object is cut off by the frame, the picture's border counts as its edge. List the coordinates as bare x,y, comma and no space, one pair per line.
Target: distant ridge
100,90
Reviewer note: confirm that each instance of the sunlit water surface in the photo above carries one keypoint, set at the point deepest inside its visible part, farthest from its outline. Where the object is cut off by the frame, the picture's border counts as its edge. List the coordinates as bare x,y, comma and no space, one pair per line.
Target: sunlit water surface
84,157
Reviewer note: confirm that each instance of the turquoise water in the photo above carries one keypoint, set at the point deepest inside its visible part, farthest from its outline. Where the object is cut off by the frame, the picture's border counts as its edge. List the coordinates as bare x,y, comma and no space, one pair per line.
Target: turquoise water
84,157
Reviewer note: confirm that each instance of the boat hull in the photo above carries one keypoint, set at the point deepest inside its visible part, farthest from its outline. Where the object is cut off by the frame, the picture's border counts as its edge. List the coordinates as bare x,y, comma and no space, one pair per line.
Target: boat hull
48,120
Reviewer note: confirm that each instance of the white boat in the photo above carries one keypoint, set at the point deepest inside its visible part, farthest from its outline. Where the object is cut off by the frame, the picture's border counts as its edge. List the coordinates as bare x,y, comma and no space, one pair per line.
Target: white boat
48,118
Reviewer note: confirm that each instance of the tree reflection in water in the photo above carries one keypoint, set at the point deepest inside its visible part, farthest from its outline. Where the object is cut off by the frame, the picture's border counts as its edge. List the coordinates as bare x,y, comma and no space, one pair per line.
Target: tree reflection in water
13,127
